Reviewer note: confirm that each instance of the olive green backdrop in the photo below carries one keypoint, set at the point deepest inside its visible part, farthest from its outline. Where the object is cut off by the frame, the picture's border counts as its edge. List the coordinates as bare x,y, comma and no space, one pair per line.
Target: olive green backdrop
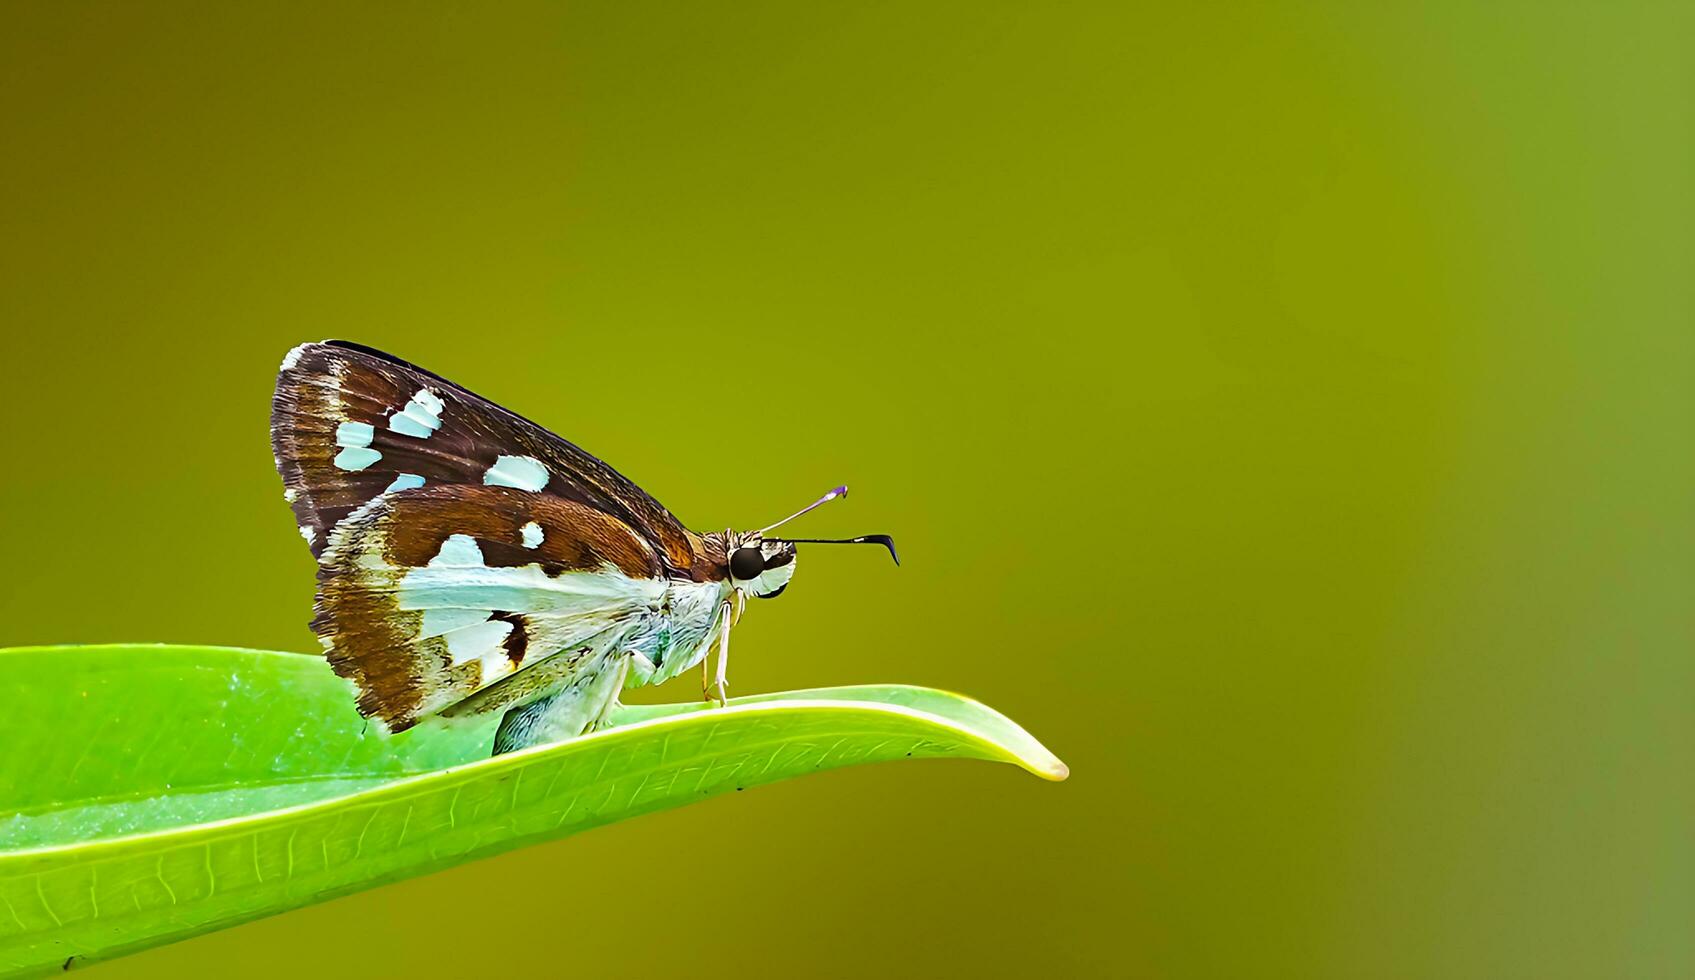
1283,410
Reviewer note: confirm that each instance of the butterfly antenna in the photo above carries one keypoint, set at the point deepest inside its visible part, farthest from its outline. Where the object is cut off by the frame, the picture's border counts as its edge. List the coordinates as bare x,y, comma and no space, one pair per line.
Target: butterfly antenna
821,501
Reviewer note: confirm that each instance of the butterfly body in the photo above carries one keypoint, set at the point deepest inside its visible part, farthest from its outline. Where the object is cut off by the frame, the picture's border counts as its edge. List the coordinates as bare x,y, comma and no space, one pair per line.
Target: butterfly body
471,561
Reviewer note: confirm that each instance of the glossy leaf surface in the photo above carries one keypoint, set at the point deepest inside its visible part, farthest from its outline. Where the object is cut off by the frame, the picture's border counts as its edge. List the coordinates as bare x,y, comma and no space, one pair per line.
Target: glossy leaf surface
152,793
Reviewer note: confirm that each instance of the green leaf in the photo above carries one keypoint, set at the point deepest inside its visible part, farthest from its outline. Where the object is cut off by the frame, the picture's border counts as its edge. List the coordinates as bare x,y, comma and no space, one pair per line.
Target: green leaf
152,793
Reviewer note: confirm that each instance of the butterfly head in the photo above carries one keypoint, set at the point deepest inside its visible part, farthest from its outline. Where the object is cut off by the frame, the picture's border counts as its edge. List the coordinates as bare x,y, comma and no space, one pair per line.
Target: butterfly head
759,567
762,566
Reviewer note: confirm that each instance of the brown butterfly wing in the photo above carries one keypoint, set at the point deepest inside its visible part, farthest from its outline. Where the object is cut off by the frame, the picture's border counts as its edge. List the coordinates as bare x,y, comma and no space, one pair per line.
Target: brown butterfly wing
349,424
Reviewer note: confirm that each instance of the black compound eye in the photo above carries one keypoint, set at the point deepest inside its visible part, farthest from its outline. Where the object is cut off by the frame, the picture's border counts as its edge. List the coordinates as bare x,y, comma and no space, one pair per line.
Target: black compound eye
746,563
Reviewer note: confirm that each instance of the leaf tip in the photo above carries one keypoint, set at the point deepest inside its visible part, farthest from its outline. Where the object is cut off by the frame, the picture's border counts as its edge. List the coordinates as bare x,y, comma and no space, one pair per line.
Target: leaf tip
1052,770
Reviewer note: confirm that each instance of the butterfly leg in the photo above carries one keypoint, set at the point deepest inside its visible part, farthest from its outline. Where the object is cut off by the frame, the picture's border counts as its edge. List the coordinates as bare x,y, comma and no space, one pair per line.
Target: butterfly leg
721,687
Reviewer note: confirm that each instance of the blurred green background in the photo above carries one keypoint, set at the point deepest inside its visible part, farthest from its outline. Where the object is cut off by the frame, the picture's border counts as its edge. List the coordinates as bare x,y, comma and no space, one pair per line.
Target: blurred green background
1284,411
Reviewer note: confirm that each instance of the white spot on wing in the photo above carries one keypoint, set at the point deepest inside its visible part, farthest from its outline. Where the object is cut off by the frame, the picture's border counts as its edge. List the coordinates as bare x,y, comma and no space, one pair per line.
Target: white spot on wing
521,472
532,534
310,533
405,481
293,357
476,642
420,417
430,401
354,434
289,494
356,458
439,621
458,551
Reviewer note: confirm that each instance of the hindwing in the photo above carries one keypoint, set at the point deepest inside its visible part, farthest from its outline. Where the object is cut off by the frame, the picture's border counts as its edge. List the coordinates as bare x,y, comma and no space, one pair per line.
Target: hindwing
458,599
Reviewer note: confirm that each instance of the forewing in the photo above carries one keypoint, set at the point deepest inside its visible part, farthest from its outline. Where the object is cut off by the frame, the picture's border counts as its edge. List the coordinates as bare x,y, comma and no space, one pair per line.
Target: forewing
350,424
466,599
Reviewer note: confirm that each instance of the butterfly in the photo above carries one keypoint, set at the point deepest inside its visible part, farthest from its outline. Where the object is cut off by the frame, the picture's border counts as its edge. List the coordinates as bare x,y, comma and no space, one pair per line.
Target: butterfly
471,561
